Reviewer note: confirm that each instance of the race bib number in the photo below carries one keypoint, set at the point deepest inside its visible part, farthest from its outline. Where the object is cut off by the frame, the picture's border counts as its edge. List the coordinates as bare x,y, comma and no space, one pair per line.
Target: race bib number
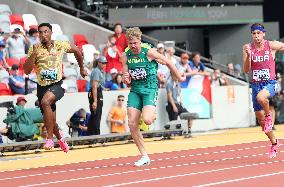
138,74
49,75
262,74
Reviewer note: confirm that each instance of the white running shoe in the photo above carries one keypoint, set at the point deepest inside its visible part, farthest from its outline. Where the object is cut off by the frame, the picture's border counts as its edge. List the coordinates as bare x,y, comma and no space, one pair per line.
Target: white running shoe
144,161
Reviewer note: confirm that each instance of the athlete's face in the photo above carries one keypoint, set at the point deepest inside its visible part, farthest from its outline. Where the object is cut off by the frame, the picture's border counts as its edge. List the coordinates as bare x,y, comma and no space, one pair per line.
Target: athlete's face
134,45
44,34
257,36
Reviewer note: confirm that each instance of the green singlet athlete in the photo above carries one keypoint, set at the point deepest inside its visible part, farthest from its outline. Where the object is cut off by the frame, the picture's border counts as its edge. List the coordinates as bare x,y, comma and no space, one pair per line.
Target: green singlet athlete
140,65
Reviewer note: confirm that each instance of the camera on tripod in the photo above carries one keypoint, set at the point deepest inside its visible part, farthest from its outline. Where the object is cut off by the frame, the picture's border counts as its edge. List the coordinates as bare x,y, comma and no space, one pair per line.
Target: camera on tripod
9,105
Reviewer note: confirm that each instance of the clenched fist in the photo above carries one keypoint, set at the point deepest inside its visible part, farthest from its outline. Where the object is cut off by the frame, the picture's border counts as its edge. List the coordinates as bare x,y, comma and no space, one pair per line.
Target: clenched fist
126,79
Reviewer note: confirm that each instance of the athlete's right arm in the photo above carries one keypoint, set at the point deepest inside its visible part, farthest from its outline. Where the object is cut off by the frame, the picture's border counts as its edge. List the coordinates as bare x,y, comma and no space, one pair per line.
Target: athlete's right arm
126,76
31,60
246,58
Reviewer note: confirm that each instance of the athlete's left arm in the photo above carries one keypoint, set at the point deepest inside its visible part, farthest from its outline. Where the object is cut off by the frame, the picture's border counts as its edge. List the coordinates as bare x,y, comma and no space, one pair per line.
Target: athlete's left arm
79,58
276,45
154,55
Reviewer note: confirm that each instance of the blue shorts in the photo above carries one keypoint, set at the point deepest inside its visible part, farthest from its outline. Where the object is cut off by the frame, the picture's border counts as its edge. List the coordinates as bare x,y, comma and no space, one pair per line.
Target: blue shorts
257,87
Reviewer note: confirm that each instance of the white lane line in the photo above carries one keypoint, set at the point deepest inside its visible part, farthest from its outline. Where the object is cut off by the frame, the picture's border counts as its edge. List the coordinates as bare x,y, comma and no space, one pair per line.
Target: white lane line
80,169
176,176
240,179
142,181
221,146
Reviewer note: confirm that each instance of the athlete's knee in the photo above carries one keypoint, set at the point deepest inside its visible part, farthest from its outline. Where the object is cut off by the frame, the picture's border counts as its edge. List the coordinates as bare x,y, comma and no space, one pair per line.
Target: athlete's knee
261,99
261,120
45,103
133,126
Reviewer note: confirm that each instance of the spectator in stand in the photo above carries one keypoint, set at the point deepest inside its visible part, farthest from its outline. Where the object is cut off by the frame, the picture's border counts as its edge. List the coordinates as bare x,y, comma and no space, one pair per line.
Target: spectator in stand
3,54
170,55
21,101
196,64
218,78
33,36
113,54
161,48
32,81
163,70
111,78
1,35
120,37
238,71
184,68
16,44
16,82
230,69
118,84
117,116
96,55
4,75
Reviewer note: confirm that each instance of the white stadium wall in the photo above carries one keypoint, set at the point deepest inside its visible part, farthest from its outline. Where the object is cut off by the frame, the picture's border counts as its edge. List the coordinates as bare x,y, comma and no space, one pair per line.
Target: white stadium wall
228,110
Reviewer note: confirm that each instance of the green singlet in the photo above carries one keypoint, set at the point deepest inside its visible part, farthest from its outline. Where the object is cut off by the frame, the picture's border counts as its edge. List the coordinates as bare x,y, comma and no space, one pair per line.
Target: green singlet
144,82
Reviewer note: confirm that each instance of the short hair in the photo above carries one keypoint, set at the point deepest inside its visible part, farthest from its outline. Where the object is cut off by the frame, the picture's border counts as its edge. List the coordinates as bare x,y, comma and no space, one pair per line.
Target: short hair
45,25
117,24
110,37
119,96
195,53
82,112
32,31
133,32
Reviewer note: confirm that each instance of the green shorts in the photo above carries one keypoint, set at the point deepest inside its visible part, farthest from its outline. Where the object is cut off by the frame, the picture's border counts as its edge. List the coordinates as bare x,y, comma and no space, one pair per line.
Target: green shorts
139,100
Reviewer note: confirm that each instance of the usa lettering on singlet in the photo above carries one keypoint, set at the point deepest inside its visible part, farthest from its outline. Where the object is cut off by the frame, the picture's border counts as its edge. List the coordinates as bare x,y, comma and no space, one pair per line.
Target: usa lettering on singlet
262,63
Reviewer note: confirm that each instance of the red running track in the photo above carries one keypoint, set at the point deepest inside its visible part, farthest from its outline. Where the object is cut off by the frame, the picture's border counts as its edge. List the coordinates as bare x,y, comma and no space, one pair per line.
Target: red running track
227,166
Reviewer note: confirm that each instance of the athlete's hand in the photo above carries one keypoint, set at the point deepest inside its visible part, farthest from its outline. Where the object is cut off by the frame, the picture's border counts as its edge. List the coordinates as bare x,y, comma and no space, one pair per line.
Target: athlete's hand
126,78
35,50
247,50
83,72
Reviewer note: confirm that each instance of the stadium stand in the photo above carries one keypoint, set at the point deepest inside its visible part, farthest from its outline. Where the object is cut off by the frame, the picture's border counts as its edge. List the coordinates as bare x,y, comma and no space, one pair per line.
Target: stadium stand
56,30
29,21
80,40
5,10
5,23
88,53
17,19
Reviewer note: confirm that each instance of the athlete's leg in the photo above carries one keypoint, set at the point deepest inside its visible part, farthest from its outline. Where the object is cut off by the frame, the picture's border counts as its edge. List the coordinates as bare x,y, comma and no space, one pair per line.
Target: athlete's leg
149,114
133,119
261,121
49,117
262,99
